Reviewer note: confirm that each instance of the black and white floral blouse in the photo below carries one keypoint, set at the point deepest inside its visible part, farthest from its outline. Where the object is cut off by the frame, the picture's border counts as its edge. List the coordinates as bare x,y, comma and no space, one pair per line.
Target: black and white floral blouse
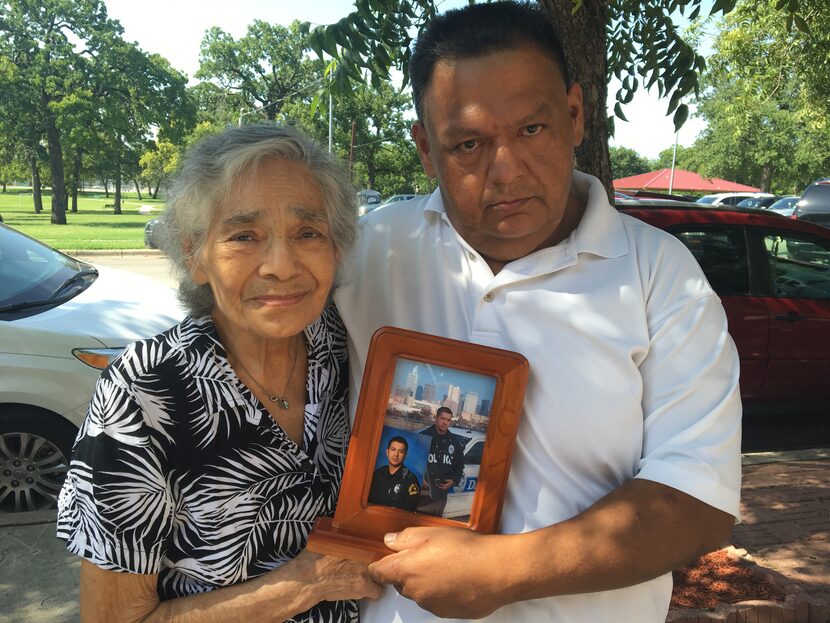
179,469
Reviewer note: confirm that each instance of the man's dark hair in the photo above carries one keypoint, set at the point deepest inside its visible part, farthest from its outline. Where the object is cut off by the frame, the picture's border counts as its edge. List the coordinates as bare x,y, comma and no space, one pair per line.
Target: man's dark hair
443,410
399,440
478,30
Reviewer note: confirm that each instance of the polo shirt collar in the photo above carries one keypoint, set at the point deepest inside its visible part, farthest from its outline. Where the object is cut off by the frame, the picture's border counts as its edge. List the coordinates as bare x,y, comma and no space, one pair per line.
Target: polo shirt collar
600,232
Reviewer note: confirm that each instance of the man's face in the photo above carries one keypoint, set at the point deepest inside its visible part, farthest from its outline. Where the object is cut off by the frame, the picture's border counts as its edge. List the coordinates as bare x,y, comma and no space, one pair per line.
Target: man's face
442,422
499,133
396,453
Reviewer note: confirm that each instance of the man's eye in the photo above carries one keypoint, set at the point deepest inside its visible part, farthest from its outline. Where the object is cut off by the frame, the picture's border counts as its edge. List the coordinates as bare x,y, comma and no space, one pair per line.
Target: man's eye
468,146
533,128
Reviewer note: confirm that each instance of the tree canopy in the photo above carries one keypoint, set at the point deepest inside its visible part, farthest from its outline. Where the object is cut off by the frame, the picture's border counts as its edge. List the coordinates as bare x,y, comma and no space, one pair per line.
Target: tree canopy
638,42
766,105
70,84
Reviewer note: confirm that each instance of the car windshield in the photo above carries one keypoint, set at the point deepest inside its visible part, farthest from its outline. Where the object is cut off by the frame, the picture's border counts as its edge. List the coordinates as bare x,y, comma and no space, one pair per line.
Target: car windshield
708,199
31,272
784,204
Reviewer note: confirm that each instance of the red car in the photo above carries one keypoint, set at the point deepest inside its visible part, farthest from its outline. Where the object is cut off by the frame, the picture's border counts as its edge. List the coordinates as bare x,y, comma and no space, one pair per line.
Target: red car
773,276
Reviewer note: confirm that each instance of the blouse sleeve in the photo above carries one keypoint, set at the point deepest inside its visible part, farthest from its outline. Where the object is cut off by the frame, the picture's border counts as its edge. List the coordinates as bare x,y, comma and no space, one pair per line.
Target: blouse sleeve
115,508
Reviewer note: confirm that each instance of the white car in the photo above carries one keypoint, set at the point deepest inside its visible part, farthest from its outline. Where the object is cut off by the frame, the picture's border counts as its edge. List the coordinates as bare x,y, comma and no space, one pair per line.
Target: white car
61,322
460,497
730,199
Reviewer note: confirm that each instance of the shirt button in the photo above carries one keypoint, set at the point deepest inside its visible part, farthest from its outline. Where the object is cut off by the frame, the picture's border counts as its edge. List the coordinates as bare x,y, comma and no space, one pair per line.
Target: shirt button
489,297
472,256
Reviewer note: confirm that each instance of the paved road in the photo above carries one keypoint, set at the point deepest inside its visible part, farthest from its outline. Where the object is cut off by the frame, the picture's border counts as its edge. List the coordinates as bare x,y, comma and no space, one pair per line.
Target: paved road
148,263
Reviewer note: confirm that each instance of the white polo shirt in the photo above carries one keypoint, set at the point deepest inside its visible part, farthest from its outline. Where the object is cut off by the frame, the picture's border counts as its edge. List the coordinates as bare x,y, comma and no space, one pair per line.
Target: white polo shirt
632,371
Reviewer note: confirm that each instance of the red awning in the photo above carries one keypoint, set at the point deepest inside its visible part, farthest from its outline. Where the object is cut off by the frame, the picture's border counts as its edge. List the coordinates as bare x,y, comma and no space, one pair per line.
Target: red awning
683,181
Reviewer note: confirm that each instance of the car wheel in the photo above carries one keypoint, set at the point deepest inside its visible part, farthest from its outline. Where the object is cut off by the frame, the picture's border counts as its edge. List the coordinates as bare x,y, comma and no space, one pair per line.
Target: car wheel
35,447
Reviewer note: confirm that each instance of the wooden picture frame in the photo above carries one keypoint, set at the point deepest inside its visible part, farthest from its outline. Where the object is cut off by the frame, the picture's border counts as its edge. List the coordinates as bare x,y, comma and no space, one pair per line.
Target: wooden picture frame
356,531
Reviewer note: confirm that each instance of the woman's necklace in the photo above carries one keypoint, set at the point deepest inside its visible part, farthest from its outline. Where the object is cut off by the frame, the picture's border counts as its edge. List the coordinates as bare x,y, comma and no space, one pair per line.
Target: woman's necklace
280,401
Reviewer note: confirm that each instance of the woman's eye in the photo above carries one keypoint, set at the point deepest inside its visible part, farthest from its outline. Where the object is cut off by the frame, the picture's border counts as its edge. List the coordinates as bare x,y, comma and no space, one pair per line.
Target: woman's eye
310,234
242,237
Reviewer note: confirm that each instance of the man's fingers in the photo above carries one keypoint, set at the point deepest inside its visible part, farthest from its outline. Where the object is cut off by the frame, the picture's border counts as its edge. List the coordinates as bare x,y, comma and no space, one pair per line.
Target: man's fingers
405,539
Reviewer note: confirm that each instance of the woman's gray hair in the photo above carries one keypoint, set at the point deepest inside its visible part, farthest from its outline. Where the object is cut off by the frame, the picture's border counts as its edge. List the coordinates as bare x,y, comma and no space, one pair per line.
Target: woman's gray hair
207,176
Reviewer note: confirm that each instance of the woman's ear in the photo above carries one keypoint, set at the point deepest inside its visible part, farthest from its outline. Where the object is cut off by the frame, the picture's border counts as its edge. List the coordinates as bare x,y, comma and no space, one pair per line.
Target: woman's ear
194,264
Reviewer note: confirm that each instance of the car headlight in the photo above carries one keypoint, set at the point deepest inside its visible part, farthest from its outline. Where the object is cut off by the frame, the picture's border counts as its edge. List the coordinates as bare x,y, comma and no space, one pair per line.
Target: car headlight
98,358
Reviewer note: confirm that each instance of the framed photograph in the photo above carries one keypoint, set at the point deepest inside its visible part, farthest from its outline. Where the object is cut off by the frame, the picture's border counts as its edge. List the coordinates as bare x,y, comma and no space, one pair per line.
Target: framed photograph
431,444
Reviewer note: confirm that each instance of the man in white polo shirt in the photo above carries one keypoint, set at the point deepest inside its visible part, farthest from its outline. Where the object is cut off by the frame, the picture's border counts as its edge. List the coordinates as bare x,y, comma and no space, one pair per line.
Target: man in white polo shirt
627,459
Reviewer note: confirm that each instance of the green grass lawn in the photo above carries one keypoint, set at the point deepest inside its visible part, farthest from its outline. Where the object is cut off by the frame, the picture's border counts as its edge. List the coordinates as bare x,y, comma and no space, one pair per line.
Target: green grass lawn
92,227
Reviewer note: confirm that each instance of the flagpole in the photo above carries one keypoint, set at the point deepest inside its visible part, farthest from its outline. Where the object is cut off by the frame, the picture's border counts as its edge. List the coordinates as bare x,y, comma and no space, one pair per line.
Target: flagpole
673,161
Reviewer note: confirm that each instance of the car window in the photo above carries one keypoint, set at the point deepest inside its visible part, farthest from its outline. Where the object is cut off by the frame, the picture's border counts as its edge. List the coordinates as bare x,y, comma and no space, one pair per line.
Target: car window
473,455
732,201
799,265
721,253
29,270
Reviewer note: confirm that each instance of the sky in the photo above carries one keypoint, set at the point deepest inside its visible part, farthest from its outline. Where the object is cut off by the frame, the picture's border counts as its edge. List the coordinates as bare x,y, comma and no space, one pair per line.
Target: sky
174,29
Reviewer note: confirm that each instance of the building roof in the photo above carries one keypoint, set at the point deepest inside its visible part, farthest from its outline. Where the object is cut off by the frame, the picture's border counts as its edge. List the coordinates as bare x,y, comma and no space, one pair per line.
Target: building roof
683,181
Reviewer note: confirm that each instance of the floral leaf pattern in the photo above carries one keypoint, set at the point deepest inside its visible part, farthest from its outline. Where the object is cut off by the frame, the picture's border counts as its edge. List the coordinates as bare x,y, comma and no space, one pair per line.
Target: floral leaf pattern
179,470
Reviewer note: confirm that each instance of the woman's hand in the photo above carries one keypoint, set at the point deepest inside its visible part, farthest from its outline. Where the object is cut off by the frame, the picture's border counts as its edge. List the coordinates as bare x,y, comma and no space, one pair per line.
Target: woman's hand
335,579
275,596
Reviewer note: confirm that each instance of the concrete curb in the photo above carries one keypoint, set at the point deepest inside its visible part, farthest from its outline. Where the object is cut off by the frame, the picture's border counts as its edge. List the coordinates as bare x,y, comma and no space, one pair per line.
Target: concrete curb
111,252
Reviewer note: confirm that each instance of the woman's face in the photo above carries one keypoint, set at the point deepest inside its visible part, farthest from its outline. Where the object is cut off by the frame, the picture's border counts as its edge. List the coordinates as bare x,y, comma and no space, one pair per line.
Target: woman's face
268,255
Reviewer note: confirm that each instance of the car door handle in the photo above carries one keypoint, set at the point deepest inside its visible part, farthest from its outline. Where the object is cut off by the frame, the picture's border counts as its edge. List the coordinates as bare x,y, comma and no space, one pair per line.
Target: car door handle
791,317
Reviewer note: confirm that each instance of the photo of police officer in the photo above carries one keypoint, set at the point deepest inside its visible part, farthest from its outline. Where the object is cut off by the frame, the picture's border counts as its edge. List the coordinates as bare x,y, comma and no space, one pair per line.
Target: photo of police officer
445,464
394,484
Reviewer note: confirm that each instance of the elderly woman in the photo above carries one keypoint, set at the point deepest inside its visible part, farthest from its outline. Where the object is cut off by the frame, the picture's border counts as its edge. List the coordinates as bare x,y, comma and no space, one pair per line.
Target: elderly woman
209,450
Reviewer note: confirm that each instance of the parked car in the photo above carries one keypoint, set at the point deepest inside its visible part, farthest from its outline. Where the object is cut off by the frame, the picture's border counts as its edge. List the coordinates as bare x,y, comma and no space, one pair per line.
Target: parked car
773,276
367,200
784,206
61,322
814,205
152,233
730,199
395,198
758,202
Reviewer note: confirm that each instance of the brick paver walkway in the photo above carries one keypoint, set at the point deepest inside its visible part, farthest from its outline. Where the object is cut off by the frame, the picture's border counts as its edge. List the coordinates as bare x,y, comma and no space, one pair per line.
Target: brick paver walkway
786,520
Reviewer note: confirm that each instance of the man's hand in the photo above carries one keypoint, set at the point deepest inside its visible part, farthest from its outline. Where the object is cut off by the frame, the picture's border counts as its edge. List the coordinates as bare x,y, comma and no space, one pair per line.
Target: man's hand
445,484
466,586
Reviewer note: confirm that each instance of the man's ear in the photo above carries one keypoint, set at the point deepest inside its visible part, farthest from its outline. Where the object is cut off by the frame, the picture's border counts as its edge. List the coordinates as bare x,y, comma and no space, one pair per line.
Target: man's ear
419,135
576,111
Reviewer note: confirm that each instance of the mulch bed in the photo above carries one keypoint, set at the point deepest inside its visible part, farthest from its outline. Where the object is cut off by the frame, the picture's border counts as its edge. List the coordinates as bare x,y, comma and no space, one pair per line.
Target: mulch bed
717,578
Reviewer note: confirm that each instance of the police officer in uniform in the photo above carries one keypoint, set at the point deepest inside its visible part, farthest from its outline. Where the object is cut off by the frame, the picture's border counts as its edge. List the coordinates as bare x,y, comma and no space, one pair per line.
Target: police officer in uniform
393,484
445,464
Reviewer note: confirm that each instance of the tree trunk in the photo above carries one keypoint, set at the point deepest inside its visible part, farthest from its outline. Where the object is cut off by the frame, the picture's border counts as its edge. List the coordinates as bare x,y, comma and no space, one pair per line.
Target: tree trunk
117,180
156,191
56,167
37,197
76,179
137,188
4,186
106,188
766,177
371,170
584,40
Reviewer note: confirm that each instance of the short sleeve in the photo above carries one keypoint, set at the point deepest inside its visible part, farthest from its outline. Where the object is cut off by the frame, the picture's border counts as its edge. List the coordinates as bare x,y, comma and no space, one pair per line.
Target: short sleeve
115,508
691,404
